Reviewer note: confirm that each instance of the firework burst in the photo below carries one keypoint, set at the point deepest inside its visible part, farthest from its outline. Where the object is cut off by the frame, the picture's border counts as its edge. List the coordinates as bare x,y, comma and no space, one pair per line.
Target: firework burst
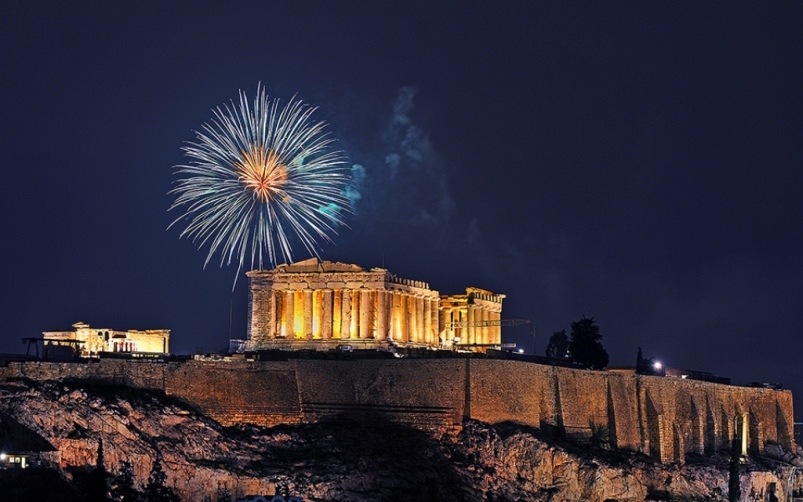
259,174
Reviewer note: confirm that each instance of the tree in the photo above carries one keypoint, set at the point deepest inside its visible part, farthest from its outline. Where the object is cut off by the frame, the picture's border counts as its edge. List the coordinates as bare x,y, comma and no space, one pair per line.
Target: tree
585,346
223,494
156,491
123,489
558,346
98,487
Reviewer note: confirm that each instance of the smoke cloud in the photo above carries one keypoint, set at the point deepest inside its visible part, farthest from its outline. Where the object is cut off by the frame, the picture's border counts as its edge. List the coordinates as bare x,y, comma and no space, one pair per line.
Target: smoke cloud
414,170
352,191
403,187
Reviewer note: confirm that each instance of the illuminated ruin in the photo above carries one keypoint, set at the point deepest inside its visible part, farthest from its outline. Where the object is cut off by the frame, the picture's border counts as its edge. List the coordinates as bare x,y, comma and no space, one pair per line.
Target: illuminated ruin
91,341
316,304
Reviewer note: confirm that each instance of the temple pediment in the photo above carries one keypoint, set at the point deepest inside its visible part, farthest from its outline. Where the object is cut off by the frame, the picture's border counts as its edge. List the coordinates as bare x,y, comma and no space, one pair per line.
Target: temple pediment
315,265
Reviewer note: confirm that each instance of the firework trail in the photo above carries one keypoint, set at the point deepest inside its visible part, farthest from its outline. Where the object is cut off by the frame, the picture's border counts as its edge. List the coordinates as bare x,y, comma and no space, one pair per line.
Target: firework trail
259,175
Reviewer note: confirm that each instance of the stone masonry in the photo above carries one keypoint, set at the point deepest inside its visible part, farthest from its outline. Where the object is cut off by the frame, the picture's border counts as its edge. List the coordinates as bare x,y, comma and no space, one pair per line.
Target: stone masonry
320,305
663,417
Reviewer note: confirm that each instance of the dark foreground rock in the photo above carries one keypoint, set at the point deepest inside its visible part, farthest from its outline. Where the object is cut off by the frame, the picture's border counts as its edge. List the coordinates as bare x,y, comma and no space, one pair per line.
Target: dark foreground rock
371,459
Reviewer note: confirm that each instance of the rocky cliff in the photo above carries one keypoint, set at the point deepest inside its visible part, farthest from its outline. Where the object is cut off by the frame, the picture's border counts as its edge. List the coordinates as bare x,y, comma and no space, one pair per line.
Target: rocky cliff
367,458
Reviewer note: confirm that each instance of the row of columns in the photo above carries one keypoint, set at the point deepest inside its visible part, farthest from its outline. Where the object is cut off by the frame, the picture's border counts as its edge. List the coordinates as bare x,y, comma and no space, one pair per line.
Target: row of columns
474,332
351,314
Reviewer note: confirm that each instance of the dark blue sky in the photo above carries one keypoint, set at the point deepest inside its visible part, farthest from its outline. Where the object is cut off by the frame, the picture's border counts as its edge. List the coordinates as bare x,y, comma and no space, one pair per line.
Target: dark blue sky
639,163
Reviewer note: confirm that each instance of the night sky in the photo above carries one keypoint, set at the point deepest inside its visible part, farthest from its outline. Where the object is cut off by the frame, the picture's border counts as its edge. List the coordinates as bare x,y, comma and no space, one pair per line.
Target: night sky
636,163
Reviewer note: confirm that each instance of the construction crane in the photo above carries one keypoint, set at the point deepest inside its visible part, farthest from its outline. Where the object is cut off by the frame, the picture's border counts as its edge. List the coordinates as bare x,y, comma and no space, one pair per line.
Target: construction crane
491,322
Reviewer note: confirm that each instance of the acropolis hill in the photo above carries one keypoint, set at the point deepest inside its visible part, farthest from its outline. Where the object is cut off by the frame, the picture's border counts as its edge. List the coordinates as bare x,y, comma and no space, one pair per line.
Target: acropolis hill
314,304
513,418
665,418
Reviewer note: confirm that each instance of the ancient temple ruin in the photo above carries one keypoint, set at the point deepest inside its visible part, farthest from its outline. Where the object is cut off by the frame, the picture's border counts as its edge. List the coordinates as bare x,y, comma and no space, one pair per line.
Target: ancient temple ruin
316,304
90,341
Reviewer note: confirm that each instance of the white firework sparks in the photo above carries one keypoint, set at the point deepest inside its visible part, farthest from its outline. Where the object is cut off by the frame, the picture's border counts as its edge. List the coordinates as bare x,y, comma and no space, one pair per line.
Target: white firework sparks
257,175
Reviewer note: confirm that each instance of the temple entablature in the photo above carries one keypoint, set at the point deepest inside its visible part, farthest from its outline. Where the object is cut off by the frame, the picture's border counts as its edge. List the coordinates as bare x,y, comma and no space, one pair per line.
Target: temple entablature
321,304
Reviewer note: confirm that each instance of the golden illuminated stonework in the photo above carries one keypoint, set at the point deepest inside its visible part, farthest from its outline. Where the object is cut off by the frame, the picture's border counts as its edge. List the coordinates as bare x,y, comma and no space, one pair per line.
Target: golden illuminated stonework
262,171
316,304
91,342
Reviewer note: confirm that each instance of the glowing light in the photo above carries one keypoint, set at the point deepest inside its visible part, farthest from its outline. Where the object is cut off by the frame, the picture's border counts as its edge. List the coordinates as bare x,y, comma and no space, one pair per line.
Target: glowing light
261,178
261,171
316,315
657,365
298,315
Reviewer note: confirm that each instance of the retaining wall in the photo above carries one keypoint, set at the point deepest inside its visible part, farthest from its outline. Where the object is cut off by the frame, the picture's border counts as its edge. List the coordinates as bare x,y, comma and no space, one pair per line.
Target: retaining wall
663,417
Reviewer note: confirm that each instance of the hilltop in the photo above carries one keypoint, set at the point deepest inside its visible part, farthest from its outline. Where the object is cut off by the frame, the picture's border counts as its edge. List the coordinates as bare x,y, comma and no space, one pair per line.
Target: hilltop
368,459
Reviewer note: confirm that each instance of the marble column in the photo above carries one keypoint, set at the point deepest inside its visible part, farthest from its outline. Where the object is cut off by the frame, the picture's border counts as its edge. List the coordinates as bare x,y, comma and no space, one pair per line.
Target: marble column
287,317
395,316
420,320
498,329
326,318
443,326
278,302
269,332
317,313
476,328
354,331
345,329
256,316
485,327
479,320
434,313
451,318
381,315
480,334
409,309
470,329
404,313
337,314
412,317
298,314
307,326
367,313
428,336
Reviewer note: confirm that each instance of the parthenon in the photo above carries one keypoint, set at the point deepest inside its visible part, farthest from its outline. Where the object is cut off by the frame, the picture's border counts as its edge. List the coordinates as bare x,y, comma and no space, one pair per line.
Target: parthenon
315,304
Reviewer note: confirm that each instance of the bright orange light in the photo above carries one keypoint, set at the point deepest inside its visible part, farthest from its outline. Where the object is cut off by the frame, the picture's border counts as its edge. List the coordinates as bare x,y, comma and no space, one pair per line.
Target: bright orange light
262,172
298,326
316,315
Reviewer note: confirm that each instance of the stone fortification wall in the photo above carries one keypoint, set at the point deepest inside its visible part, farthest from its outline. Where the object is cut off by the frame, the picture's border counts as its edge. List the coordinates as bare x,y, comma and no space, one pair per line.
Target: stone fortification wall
663,417
576,403
234,392
509,391
683,416
148,375
422,392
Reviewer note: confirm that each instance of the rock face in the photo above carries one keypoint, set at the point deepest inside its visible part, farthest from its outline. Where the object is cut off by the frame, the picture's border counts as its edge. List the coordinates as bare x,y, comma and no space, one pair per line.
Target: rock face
366,459
665,418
